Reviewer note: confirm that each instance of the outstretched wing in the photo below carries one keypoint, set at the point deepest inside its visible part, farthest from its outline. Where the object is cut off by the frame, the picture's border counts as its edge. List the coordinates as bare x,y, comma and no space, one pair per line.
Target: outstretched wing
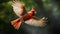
35,21
18,8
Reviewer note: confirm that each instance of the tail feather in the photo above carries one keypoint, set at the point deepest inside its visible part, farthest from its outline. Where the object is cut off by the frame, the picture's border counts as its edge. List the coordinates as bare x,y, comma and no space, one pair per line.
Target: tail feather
16,23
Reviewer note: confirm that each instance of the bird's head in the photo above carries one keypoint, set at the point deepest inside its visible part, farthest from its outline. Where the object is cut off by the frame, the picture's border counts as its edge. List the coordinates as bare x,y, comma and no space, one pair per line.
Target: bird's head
33,11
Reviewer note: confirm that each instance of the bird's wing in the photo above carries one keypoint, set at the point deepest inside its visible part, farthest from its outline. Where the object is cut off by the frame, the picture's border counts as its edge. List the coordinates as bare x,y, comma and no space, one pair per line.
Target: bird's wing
35,21
19,8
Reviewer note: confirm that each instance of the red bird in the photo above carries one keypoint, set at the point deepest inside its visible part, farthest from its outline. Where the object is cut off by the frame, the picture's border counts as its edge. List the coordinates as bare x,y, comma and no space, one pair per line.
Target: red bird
26,17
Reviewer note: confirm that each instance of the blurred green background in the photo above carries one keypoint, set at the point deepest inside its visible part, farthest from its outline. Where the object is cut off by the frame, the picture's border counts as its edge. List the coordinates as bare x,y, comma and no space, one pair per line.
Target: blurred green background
45,8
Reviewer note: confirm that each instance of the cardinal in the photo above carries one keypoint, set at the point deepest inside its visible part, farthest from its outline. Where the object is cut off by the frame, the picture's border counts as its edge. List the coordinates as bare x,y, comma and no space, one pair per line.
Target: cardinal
26,17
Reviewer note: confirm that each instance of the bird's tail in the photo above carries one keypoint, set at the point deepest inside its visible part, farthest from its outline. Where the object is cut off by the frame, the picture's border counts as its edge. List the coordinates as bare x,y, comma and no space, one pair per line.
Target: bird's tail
16,23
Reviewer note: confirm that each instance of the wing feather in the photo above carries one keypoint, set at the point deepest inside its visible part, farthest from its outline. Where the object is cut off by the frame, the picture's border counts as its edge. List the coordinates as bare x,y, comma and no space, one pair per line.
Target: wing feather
19,8
35,21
